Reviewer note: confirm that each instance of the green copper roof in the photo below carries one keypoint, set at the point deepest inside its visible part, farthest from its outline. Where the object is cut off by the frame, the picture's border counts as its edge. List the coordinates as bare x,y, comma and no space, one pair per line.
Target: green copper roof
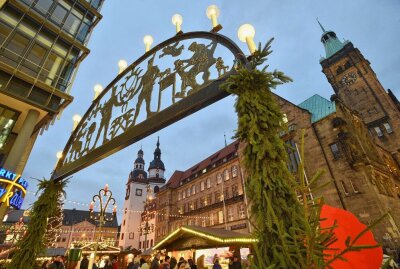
319,107
331,43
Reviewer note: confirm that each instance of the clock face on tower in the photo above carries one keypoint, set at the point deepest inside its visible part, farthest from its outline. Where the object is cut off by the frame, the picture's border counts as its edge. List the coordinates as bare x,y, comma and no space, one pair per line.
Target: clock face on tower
348,79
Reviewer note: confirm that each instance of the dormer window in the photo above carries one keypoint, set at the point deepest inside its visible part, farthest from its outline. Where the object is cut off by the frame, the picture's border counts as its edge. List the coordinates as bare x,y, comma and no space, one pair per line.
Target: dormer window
388,128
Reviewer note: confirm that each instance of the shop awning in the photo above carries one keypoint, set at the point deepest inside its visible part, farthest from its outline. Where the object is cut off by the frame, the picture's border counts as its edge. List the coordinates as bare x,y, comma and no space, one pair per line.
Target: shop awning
188,237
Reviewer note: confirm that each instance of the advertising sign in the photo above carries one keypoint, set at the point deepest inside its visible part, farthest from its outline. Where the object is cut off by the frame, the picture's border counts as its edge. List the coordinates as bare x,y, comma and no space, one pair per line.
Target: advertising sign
12,188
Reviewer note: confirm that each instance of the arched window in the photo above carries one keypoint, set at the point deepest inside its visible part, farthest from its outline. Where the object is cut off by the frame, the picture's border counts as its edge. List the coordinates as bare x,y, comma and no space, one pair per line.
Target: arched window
156,189
234,171
226,174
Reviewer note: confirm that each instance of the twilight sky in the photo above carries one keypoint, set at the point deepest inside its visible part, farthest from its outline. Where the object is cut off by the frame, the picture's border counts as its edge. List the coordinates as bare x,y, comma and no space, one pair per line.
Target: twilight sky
370,25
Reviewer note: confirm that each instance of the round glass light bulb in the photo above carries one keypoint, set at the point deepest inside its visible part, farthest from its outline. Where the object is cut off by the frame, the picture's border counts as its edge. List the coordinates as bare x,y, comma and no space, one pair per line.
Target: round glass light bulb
212,10
148,40
76,118
98,88
122,64
245,31
59,154
177,19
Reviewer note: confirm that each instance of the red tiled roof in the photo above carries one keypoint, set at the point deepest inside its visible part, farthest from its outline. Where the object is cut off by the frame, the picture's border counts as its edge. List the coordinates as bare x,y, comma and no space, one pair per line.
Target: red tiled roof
178,176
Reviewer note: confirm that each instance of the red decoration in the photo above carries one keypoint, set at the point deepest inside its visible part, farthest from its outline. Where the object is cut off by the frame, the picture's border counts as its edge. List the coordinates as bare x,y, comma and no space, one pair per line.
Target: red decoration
349,225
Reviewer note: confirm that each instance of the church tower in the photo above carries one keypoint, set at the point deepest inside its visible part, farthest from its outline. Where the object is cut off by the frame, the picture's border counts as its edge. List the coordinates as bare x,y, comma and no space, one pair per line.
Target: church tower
356,84
135,197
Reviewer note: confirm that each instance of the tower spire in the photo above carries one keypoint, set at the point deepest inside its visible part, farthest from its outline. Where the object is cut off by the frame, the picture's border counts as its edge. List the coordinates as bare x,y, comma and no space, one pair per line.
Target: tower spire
322,27
225,139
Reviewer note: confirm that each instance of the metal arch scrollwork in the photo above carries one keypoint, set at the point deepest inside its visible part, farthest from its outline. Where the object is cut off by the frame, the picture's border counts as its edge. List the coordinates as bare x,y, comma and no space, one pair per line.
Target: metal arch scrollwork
187,69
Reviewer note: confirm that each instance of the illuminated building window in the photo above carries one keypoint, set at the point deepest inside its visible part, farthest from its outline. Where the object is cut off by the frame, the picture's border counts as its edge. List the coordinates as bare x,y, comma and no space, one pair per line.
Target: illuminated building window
8,118
378,131
226,174
242,211
388,128
220,217
193,189
208,181
230,214
202,185
219,178
234,171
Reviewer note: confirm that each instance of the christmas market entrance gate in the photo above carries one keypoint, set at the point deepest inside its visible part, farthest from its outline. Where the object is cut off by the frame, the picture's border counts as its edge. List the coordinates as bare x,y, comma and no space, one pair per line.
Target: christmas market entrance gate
195,237
171,81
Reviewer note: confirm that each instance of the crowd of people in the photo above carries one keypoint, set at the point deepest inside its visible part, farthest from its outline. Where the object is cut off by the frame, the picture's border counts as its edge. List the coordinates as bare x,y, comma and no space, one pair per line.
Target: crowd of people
171,263
140,263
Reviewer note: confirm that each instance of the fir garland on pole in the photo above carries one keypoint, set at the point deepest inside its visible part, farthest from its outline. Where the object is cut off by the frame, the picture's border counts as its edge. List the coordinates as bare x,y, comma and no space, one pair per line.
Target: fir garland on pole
45,207
54,224
279,218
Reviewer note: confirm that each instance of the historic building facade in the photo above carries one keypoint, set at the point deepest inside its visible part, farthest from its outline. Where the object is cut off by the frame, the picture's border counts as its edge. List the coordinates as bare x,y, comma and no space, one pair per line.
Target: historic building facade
209,194
357,150
42,44
140,188
78,229
356,84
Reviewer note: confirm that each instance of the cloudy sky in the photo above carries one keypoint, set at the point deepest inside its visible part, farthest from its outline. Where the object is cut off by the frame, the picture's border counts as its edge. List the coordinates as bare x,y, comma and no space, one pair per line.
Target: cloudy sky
372,26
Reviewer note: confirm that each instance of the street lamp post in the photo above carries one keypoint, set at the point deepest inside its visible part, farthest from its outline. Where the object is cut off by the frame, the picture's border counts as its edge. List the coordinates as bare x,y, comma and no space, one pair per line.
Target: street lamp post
146,228
104,198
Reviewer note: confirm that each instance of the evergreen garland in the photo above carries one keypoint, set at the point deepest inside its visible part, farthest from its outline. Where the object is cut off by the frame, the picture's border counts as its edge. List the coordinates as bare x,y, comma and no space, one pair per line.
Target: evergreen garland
45,207
279,218
54,224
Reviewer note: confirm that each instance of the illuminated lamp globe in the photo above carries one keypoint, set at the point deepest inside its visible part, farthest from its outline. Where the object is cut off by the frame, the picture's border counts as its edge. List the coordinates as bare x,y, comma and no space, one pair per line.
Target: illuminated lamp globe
177,20
98,88
76,118
212,13
148,41
59,154
246,34
122,65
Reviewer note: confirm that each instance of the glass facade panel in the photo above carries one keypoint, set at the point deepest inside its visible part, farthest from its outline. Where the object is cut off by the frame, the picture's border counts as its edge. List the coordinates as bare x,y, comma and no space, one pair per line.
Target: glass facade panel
43,6
8,118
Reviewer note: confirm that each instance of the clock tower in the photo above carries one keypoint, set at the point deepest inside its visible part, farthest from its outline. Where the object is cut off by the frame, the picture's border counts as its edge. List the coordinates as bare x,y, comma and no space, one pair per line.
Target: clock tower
356,84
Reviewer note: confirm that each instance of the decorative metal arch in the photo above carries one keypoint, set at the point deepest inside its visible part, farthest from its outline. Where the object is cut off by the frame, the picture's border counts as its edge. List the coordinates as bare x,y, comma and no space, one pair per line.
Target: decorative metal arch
85,147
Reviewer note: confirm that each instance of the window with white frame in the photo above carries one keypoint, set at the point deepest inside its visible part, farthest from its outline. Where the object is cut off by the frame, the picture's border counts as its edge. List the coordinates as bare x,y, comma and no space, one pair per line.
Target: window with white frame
242,211
388,127
226,174
212,219
188,192
234,171
220,217
378,131
219,178
230,214
202,186
208,182
203,222
193,189
179,195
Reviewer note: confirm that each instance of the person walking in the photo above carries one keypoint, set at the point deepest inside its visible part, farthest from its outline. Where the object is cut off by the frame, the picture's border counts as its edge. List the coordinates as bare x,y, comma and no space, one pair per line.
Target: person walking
191,264
236,264
114,264
107,264
84,263
143,264
58,263
166,264
173,263
155,264
216,264
181,260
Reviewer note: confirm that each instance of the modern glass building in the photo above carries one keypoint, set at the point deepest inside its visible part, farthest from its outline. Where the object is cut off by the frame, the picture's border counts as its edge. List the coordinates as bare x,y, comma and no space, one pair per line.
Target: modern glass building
42,43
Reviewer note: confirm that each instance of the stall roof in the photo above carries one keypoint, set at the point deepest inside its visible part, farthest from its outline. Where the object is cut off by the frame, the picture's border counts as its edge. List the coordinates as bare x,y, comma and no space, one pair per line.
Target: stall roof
187,237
